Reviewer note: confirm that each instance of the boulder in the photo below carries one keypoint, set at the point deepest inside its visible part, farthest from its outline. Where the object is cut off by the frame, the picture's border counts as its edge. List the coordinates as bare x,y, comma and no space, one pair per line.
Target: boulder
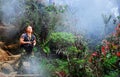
3,55
2,44
13,74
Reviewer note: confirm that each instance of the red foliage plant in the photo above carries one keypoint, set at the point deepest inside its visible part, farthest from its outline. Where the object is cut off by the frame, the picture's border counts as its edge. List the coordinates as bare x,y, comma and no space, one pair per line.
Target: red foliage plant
118,54
94,54
103,50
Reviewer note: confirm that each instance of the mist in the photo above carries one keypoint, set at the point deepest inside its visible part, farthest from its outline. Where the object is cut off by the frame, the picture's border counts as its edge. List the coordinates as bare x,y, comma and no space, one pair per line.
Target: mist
11,12
80,17
86,17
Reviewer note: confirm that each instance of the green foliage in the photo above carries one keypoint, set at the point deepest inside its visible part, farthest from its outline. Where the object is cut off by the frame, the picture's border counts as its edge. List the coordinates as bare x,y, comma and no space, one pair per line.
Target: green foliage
46,49
62,37
112,74
44,19
73,49
76,61
62,65
65,43
109,61
53,8
59,40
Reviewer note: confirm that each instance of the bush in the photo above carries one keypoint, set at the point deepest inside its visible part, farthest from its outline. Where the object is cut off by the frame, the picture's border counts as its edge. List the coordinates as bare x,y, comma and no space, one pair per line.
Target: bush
62,38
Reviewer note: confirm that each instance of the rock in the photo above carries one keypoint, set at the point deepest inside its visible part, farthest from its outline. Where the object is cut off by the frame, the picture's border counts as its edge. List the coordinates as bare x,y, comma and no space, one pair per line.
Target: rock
12,46
3,55
2,75
2,30
13,74
7,68
2,44
8,31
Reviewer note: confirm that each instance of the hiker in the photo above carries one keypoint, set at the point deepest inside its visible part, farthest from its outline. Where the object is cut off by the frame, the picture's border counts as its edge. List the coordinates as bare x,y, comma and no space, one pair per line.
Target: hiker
28,40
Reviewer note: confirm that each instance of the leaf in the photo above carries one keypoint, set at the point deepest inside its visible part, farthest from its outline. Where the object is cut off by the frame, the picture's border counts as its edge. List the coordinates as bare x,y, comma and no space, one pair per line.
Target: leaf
46,49
80,61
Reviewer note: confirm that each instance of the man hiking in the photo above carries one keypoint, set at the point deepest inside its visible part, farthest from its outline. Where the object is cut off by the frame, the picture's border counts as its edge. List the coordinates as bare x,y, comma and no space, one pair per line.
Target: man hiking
28,40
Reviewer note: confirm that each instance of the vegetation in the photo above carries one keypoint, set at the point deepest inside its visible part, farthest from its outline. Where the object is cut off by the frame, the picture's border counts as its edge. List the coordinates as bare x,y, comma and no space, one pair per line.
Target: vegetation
74,58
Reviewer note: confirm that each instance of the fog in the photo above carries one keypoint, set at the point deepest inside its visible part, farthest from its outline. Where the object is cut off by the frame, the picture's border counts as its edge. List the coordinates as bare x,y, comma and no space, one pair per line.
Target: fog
12,10
81,16
86,17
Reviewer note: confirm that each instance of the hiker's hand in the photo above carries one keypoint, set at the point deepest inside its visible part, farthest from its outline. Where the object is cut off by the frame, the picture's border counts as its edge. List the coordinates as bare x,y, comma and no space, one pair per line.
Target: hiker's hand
28,42
34,43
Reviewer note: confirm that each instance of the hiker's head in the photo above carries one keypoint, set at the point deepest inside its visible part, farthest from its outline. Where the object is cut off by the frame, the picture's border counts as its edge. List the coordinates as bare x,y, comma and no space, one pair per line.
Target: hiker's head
29,29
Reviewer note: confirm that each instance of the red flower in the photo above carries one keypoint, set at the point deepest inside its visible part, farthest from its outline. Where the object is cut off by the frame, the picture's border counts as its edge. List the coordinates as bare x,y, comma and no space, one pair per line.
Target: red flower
94,54
118,54
103,49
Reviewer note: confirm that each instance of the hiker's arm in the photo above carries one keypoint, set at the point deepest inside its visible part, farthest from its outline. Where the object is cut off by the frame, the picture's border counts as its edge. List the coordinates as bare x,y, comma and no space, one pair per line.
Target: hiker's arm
34,42
23,42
